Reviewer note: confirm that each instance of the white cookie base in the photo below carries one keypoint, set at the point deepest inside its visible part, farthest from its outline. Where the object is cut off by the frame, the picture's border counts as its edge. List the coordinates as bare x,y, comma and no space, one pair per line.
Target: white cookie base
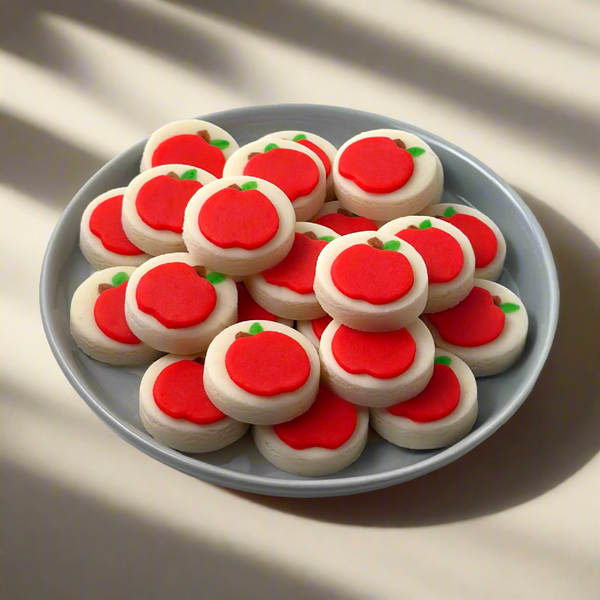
365,390
306,329
406,433
441,296
423,188
188,340
238,261
251,408
191,127
492,270
90,338
304,206
92,247
312,462
178,433
282,301
150,240
360,314
501,353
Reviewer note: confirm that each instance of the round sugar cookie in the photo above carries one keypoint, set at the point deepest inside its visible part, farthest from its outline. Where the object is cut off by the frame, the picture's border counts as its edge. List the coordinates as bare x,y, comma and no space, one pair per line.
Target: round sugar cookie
178,306
441,415
154,206
313,330
239,225
98,323
191,142
176,411
447,253
249,310
261,372
371,281
101,236
377,368
325,150
341,220
286,290
485,236
327,438
487,330
385,174
293,168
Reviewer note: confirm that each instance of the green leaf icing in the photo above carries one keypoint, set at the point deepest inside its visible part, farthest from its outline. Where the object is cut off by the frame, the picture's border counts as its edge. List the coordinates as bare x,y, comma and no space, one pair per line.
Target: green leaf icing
426,224
255,328
270,147
220,144
215,277
393,245
299,137
190,174
249,185
449,212
509,307
416,151
327,238
443,360
119,278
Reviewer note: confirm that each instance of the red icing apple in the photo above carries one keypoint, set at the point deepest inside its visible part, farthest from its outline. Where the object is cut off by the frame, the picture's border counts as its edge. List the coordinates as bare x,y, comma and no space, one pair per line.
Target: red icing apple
297,270
161,202
328,423
197,150
237,217
441,253
344,222
109,310
374,272
318,325
179,392
378,165
176,295
301,139
381,355
105,223
267,363
248,309
439,399
291,171
482,238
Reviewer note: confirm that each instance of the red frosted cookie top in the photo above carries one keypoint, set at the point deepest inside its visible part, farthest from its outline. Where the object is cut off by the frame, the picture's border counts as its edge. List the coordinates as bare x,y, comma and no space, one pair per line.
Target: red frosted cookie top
232,218
382,355
109,314
176,296
373,272
291,171
377,165
482,238
105,223
328,423
318,325
441,253
161,202
476,321
179,392
248,309
320,153
343,222
193,150
439,399
297,270
267,363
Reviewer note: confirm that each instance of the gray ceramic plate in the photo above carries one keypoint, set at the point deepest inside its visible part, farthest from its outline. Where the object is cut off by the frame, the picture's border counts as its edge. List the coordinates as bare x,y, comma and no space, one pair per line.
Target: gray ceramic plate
112,393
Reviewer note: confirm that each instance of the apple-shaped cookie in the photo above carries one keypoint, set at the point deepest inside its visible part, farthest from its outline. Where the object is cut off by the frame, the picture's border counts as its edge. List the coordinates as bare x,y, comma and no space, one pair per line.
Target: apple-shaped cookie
486,238
327,438
98,323
313,330
293,168
376,368
176,411
101,236
286,290
176,305
371,281
440,415
385,174
447,253
261,372
487,329
192,142
239,225
154,206
249,310
341,220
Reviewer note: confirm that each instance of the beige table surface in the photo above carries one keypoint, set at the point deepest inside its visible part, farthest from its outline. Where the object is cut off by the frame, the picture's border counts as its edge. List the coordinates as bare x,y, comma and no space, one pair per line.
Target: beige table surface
86,516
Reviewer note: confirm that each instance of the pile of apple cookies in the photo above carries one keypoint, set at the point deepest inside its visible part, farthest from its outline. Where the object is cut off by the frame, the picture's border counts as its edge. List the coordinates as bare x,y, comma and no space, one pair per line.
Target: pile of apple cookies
302,290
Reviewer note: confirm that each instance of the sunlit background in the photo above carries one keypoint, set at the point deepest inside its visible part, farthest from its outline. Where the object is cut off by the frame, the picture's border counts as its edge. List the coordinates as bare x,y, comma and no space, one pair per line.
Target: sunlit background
516,83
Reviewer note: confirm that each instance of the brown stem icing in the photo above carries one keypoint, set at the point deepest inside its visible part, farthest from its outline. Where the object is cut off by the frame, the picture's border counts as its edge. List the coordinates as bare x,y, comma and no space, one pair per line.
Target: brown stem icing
375,243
